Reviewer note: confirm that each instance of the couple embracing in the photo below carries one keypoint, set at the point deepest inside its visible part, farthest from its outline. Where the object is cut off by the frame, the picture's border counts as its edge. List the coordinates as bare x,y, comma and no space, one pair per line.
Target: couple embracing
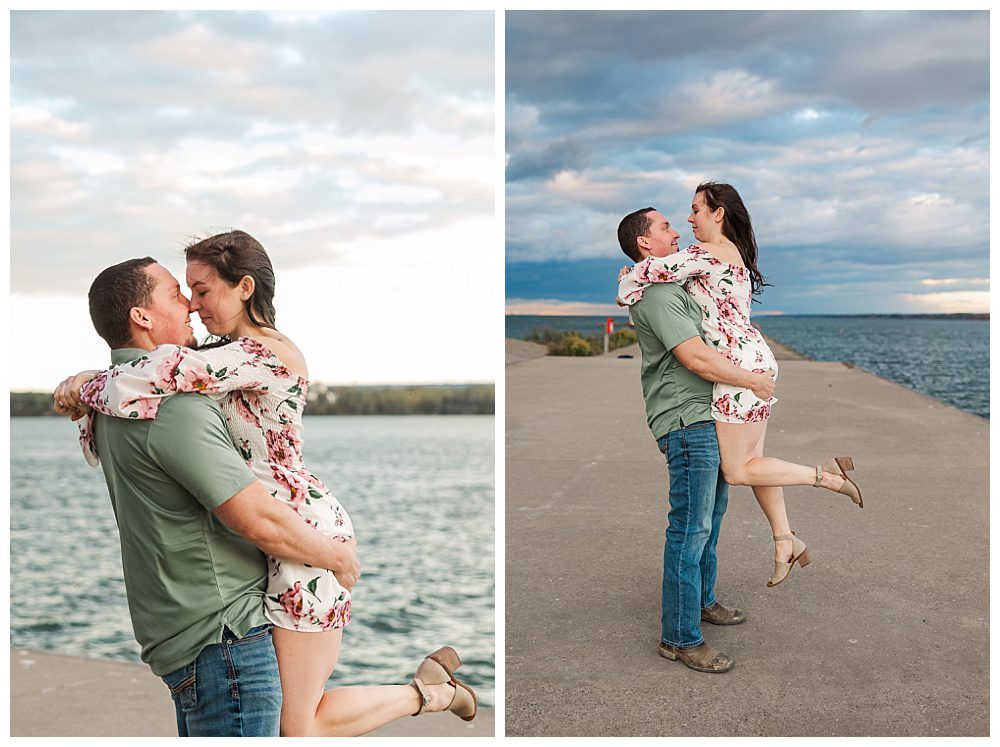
239,563
708,380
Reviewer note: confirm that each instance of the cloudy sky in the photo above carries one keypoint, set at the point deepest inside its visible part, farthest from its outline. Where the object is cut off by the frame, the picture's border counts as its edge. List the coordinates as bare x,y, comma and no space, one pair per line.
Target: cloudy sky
357,147
859,141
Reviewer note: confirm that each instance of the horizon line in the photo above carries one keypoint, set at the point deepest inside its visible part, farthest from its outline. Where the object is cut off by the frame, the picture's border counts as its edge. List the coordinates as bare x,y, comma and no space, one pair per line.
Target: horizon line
394,385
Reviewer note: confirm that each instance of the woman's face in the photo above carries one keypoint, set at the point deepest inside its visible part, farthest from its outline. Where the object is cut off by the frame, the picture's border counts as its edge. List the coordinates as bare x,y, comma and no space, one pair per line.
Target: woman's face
219,305
705,222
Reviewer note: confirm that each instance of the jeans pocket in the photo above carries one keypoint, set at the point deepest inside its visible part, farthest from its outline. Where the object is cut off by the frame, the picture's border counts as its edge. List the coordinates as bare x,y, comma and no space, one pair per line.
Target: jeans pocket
700,425
183,684
253,635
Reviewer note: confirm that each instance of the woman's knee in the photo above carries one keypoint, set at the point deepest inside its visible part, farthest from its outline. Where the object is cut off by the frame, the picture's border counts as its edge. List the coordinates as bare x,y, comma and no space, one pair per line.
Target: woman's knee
298,723
300,711
734,474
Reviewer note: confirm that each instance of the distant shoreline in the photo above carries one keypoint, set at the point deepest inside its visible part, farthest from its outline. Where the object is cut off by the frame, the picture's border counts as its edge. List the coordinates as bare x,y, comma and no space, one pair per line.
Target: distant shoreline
429,399
957,316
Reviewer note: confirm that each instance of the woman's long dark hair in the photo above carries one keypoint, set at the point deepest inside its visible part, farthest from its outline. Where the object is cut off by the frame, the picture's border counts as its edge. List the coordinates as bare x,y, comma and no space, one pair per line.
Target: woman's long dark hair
234,255
736,227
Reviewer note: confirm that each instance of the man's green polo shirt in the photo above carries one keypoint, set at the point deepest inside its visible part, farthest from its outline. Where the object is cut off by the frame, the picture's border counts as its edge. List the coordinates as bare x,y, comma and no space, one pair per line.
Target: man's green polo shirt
186,574
665,317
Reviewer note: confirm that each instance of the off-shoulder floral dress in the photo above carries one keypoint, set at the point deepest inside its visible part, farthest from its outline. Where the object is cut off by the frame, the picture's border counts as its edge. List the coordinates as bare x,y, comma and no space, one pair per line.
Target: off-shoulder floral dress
722,291
262,402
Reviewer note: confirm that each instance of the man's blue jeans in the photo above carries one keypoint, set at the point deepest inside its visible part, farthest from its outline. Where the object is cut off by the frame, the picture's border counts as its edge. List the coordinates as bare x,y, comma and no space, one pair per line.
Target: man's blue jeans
231,690
698,500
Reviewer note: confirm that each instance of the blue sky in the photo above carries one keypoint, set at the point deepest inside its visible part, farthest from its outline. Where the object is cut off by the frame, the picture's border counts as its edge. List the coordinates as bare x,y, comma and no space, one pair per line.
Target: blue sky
358,147
858,140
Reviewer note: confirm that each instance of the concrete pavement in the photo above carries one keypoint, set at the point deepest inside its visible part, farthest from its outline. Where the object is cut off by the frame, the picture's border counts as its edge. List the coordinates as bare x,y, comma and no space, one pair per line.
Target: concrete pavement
53,695
885,633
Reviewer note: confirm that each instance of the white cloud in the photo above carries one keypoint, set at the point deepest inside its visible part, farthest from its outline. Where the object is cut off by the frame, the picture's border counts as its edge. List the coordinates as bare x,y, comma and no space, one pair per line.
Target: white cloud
969,302
955,281
397,193
197,46
90,161
556,307
582,187
64,320
41,120
293,17
729,95
916,219
290,56
520,118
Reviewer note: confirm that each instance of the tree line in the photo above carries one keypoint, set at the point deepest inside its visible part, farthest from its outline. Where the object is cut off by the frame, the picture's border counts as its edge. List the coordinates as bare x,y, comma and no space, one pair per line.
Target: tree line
458,399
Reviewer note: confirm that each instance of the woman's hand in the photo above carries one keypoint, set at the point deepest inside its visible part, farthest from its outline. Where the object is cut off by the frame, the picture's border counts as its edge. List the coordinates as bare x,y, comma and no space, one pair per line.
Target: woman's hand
66,398
762,384
348,569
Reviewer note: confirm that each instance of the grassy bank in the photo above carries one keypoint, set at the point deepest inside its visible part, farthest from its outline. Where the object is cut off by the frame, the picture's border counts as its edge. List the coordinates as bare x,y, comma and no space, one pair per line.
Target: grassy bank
574,343
459,399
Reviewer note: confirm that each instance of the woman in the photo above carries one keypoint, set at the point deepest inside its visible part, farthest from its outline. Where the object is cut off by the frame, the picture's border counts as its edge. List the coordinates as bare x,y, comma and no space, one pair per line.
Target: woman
260,378
721,274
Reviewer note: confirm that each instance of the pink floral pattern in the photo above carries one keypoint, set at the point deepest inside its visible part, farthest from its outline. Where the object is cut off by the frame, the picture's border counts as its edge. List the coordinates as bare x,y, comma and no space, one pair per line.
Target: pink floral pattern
262,402
722,291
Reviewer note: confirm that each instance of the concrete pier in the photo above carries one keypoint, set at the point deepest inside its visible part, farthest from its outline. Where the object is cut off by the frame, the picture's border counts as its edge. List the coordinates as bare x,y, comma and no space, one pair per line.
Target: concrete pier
885,633
70,696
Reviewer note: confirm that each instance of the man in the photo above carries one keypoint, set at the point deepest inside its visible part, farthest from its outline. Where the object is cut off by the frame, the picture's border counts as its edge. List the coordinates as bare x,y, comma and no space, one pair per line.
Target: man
678,369
189,514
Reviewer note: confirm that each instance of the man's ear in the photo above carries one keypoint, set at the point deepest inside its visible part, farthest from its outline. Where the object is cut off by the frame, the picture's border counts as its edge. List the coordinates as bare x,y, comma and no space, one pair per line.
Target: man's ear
139,317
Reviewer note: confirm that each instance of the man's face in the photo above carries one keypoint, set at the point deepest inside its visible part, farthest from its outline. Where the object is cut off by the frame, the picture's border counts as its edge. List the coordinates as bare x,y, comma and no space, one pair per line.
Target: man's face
168,309
660,239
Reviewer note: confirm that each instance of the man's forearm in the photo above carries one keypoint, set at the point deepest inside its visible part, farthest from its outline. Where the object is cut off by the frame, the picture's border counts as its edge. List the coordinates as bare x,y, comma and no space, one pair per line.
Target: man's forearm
285,535
711,365
277,530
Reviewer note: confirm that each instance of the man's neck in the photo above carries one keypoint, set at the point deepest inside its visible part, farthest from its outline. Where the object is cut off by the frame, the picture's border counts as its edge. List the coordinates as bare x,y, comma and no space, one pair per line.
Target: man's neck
140,342
145,342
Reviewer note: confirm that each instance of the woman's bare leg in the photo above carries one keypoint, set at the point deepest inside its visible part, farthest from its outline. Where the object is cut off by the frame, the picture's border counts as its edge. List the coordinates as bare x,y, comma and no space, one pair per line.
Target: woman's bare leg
745,466
743,443
305,662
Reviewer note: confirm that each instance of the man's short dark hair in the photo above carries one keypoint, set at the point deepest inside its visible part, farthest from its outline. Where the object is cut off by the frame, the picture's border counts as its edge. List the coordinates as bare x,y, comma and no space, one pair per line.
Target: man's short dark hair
112,296
631,228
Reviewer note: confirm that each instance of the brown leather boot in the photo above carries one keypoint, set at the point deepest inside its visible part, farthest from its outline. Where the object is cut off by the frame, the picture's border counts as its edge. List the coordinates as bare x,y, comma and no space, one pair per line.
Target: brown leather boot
720,614
701,658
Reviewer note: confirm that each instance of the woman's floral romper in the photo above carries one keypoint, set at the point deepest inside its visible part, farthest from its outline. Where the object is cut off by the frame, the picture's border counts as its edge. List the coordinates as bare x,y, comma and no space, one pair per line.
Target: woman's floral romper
722,291
262,402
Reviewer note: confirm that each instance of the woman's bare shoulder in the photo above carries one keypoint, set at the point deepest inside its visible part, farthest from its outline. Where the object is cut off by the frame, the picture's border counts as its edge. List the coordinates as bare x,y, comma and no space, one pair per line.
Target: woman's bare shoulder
286,350
726,252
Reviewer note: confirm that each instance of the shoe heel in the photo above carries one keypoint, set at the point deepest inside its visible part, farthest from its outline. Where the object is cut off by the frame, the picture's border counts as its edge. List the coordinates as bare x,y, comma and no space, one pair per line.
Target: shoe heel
439,666
804,559
846,463
447,657
668,654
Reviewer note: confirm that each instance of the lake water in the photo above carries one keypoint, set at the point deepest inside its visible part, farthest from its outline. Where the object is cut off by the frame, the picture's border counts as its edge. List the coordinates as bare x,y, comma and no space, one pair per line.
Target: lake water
420,490
948,359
